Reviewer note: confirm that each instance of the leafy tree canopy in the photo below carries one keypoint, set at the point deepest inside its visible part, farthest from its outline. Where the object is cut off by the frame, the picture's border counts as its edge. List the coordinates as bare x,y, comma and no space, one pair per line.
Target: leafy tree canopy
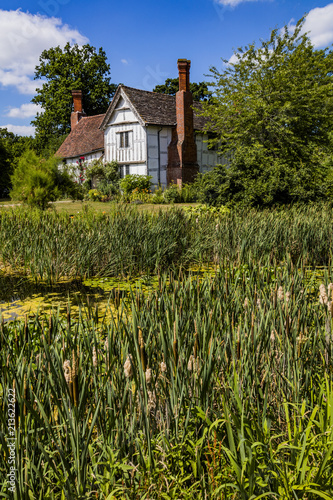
64,70
272,113
11,148
199,90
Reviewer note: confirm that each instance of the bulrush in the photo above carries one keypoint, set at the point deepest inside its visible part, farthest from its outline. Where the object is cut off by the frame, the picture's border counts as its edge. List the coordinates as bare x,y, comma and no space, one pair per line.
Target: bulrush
280,293
75,380
128,368
143,356
175,345
148,375
94,357
68,376
323,299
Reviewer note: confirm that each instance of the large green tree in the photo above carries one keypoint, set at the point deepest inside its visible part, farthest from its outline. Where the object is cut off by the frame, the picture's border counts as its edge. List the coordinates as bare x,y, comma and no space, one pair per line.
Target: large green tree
12,147
64,70
272,115
199,90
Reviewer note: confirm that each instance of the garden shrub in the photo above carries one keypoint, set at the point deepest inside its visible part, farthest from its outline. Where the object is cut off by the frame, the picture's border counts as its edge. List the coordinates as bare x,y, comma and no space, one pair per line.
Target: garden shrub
37,182
134,181
157,197
172,194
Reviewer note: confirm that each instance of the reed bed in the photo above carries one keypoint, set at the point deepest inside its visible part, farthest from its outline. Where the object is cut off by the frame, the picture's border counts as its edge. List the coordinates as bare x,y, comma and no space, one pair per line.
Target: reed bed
49,246
215,388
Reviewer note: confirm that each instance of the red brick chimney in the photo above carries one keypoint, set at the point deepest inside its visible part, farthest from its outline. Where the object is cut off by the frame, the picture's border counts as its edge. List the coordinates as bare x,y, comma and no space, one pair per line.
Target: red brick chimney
78,112
182,151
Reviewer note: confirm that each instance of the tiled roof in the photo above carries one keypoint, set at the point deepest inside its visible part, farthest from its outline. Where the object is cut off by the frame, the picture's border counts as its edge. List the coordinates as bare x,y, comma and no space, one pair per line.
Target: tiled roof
153,108
85,138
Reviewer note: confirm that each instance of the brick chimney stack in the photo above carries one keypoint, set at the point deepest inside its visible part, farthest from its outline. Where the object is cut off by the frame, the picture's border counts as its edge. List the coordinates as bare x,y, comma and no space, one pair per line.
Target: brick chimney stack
182,151
78,112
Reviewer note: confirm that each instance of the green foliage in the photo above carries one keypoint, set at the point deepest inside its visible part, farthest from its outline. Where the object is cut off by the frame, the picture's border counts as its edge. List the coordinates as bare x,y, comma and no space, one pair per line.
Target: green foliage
11,148
199,90
36,181
176,194
272,115
158,198
67,69
134,181
103,171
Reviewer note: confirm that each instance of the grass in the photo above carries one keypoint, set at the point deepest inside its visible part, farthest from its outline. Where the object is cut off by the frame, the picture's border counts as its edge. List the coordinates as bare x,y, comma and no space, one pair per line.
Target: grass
74,207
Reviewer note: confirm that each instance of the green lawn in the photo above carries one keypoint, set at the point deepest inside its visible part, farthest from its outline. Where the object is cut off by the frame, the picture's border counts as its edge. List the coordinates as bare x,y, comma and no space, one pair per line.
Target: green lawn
73,207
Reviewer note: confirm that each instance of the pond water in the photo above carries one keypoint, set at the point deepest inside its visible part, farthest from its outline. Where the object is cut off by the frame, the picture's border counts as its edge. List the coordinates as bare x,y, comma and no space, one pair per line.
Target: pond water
21,295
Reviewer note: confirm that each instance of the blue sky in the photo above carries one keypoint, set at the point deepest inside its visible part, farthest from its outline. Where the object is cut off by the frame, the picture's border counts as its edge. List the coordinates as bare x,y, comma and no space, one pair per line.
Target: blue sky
142,40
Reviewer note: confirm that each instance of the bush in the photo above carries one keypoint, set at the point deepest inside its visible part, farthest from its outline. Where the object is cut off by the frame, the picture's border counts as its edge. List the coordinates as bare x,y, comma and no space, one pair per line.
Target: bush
131,182
157,198
105,175
172,194
36,181
175,194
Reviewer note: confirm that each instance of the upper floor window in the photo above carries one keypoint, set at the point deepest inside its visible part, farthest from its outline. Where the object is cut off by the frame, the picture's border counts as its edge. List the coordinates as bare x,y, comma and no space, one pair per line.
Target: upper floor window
124,139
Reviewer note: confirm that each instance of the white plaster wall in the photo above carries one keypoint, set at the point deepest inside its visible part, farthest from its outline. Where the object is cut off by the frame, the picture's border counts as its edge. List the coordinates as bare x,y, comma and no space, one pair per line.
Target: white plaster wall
124,120
207,159
153,150
87,158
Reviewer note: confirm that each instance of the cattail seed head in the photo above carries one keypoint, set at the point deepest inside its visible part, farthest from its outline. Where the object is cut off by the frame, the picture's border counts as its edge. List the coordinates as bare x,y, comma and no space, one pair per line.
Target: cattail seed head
128,370
280,293
190,363
163,367
67,371
323,299
148,375
94,357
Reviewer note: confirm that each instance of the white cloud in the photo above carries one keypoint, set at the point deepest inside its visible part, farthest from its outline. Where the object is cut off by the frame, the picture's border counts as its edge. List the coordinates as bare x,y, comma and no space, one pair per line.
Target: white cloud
233,59
20,129
319,25
124,61
28,110
23,37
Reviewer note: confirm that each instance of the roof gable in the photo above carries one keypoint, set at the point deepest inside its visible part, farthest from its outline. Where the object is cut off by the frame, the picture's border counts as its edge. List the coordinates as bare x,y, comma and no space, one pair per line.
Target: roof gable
151,108
85,138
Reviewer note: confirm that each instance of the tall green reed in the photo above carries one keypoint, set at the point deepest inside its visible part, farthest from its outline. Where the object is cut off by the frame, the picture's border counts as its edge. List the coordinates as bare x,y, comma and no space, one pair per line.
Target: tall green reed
221,385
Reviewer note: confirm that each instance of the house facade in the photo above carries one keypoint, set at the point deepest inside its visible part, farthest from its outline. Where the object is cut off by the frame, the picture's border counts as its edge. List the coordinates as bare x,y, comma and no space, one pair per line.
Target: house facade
145,132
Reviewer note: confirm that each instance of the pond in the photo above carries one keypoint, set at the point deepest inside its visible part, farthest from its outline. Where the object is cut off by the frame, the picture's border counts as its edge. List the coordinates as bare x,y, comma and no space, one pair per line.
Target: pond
21,295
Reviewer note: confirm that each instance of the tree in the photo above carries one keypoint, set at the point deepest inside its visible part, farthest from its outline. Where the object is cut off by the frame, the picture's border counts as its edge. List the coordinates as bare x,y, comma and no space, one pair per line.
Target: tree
11,148
272,115
199,90
71,68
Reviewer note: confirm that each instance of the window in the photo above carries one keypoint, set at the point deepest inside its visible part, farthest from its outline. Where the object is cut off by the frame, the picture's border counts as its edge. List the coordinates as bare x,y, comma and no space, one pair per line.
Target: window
124,139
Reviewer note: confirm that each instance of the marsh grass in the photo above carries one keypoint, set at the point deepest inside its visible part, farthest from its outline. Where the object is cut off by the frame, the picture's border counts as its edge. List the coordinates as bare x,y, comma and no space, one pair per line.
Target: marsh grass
226,393
125,243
